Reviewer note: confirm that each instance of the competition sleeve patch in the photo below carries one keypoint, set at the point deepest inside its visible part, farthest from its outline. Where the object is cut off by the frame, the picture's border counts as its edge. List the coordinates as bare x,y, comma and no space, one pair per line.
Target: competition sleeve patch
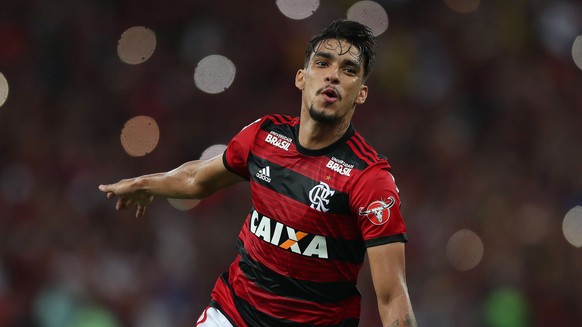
378,212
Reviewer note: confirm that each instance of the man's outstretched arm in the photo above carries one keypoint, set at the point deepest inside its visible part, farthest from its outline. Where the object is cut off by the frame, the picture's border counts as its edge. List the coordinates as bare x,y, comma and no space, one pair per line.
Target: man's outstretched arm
387,266
193,180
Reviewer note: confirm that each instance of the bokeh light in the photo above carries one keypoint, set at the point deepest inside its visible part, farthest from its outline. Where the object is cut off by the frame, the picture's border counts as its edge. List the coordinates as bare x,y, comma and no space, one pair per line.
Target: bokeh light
213,151
371,14
214,74
572,226
463,6
465,250
506,307
3,89
136,45
576,53
140,136
297,9
183,204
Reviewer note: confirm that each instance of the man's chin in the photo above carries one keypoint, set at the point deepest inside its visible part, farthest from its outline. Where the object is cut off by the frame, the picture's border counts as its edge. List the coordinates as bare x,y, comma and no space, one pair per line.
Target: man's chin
321,116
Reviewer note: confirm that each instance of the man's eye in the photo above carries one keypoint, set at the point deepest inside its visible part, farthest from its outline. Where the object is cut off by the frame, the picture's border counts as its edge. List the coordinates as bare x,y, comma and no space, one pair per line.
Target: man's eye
321,64
350,71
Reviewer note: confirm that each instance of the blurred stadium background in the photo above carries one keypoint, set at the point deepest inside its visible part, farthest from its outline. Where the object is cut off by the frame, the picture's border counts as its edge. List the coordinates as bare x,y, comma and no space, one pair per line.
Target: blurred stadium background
477,104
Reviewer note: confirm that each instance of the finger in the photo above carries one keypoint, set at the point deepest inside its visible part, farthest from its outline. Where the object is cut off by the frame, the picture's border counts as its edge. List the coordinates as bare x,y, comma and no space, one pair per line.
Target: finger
140,211
110,195
121,203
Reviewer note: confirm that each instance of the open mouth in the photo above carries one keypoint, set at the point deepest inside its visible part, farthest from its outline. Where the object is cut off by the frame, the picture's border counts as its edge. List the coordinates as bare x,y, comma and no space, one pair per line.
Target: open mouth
330,94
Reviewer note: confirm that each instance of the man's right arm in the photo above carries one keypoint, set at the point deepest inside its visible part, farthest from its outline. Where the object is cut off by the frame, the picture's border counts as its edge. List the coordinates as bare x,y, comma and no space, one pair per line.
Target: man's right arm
193,180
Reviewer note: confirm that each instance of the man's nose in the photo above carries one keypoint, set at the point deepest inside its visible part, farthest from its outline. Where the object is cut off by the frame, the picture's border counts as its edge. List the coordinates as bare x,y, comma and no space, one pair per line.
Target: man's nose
332,75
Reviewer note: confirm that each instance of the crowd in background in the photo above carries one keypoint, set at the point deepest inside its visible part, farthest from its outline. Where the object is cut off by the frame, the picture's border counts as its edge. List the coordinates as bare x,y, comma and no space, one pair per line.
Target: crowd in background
479,114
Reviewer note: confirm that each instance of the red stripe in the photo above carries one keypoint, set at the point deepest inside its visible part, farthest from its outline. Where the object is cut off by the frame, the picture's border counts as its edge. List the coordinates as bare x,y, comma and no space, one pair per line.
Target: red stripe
204,316
303,312
286,118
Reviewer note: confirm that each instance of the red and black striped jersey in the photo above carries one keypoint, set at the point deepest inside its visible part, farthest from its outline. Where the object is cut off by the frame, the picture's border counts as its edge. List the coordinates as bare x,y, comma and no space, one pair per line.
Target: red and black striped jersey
313,214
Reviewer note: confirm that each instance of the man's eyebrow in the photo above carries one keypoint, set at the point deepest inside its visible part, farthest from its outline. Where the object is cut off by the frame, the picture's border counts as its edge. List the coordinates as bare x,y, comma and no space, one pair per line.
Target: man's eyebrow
329,55
326,55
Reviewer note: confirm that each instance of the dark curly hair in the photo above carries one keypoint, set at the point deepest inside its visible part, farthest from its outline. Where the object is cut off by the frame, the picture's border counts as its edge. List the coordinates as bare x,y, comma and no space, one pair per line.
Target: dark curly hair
356,34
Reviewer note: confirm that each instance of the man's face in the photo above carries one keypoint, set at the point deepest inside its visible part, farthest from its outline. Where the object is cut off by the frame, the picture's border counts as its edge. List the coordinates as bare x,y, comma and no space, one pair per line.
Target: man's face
332,83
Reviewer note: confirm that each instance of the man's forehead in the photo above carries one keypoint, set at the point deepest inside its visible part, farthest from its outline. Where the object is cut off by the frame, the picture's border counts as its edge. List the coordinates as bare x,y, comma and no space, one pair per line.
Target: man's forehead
338,47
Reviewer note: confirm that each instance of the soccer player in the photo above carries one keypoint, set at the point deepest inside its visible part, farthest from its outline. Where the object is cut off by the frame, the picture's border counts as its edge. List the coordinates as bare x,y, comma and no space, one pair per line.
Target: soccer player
322,198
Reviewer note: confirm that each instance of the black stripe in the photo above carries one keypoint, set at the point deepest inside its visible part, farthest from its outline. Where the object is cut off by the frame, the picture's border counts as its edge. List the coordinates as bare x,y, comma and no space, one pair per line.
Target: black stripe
276,119
294,185
285,119
366,147
330,292
387,239
256,318
361,152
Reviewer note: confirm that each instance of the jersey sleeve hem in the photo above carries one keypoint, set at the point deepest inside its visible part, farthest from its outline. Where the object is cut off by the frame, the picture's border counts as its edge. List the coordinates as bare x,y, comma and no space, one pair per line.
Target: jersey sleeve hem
229,168
386,240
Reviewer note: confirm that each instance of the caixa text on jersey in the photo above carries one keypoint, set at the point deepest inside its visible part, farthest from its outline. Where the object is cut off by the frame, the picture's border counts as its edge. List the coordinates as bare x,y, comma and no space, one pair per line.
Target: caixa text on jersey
287,238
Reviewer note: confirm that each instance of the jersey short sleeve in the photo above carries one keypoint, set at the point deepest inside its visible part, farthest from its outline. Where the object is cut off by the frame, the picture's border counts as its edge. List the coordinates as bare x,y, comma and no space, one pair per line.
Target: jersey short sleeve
375,201
237,151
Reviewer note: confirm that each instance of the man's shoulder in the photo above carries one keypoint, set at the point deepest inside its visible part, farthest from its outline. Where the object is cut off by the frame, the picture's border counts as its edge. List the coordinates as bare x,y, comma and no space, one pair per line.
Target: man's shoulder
279,124
270,119
363,152
280,119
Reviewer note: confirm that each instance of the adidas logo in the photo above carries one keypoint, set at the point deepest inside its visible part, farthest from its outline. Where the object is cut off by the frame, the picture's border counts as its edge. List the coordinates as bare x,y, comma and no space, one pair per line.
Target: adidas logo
264,174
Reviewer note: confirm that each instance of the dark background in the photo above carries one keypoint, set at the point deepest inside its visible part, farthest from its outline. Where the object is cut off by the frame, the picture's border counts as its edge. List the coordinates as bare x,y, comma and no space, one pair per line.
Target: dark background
480,115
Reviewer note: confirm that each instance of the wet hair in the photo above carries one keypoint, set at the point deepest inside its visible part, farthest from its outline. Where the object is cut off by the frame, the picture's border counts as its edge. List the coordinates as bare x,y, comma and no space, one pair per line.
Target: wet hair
356,34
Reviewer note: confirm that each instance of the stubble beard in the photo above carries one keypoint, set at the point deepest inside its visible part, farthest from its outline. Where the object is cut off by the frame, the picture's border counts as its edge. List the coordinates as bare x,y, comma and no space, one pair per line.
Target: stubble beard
338,124
321,117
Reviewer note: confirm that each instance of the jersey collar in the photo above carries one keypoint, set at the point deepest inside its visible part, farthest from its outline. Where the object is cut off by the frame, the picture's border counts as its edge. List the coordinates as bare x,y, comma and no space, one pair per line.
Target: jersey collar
318,152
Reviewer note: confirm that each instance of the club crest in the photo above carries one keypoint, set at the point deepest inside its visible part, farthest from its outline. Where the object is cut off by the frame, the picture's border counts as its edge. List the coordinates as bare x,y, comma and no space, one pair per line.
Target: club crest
378,212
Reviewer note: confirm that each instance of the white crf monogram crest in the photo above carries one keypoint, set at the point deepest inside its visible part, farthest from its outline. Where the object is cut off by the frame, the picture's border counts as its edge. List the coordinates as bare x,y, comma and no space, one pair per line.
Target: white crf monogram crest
319,196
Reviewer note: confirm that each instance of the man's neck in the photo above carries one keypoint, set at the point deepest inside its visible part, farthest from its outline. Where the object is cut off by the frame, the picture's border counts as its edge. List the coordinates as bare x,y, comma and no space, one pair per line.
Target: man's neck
315,135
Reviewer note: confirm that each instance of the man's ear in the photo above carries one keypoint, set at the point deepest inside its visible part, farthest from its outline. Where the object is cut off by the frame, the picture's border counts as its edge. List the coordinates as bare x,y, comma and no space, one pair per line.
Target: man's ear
300,79
361,98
